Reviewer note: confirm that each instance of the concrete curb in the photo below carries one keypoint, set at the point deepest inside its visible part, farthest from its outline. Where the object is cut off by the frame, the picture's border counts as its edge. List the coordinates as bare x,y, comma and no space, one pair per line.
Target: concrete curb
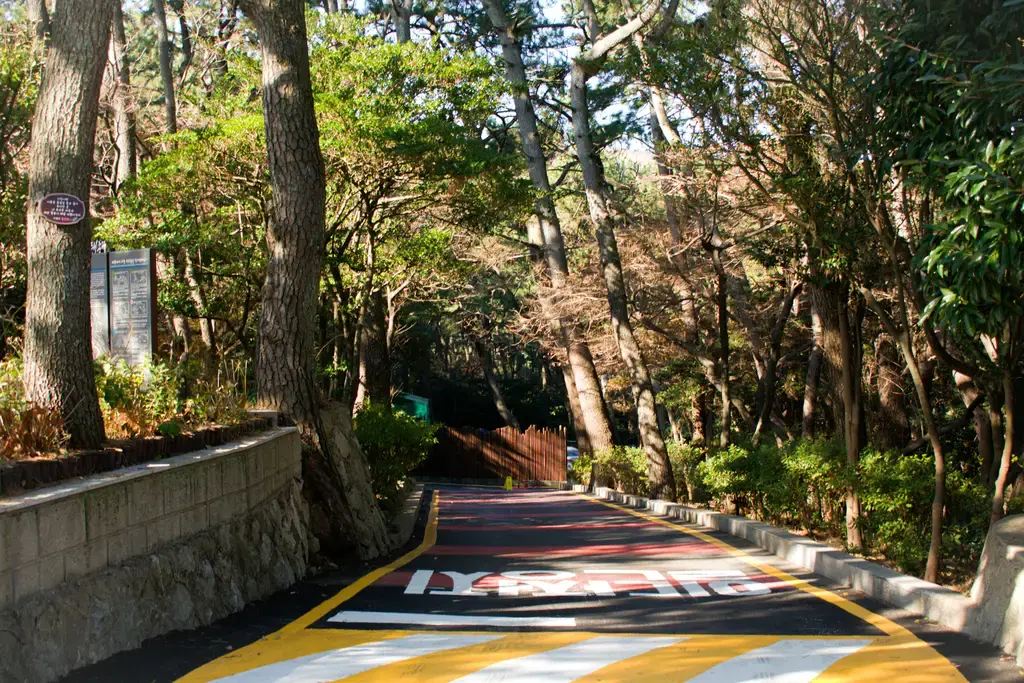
406,519
945,606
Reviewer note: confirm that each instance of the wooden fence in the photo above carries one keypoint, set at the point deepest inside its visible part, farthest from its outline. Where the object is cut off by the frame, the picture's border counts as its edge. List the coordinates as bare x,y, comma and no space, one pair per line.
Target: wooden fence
533,455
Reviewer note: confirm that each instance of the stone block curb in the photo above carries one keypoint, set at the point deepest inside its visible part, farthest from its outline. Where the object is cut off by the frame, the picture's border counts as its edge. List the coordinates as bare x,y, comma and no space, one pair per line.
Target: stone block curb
942,605
406,519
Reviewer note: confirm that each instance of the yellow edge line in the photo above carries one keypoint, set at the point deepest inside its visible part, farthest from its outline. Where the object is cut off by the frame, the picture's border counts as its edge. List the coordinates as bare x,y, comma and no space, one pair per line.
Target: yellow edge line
887,626
350,591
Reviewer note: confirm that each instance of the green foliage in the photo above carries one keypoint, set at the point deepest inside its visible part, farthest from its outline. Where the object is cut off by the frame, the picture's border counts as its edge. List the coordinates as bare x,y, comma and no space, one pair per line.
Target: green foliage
19,80
624,468
152,399
12,390
686,459
952,100
135,400
896,493
581,469
394,444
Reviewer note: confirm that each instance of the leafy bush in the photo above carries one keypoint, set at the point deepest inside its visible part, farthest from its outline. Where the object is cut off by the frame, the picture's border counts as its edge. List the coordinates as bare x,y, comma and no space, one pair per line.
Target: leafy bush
394,443
147,400
624,468
29,432
582,468
12,391
135,401
686,459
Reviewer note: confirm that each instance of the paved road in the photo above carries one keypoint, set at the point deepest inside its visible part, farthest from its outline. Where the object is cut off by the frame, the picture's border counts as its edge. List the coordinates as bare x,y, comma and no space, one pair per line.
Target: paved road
533,586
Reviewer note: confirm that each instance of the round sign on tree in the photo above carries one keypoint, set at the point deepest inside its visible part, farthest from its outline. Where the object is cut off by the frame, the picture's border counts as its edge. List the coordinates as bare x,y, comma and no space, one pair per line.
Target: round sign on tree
62,209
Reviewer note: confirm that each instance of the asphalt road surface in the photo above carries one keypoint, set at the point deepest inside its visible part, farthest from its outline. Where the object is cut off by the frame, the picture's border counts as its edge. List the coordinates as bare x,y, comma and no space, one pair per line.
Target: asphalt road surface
545,586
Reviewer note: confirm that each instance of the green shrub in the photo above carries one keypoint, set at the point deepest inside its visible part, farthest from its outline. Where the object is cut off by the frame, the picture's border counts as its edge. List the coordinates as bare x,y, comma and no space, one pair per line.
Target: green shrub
394,443
624,468
12,391
135,400
686,459
581,469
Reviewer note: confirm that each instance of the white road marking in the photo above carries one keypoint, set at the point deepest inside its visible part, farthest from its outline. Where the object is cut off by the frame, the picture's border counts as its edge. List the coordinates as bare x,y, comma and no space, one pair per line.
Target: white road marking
418,582
787,661
566,664
349,661
422,619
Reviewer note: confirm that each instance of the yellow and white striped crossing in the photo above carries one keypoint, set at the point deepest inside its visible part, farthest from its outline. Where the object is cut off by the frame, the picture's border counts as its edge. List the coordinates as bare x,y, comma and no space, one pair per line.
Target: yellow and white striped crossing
305,651
379,656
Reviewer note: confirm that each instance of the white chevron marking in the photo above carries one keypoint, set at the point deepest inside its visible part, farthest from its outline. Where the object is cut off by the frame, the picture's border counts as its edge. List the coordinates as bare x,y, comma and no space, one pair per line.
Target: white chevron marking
787,661
566,664
349,661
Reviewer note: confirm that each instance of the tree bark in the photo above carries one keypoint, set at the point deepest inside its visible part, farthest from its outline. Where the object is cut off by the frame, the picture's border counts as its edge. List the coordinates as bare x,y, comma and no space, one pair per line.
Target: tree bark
336,473
124,114
58,371
374,363
580,360
1006,459
197,291
401,15
576,412
769,379
900,331
893,427
969,391
166,67
40,18
851,393
483,352
659,469
813,378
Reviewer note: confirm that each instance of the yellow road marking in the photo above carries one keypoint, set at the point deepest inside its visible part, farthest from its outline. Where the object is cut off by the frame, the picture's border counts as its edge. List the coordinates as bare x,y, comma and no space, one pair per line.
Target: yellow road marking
900,650
443,667
327,606
678,662
900,656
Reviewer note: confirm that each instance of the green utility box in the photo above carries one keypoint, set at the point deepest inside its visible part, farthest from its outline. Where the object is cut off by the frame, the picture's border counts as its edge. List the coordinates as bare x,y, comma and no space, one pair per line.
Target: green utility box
417,406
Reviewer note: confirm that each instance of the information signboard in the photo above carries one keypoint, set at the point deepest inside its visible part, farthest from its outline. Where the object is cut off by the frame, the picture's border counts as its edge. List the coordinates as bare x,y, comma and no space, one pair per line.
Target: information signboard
132,305
62,209
99,306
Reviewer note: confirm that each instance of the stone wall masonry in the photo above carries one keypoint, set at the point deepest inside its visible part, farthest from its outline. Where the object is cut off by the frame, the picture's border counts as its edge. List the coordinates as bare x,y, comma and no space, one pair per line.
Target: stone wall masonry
94,566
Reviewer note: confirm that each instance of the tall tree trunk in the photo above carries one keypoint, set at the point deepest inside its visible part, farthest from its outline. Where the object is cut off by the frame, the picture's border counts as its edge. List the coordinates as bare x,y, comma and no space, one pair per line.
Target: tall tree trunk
401,15
1006,459
982,427
723,351
186,38
850,388
900,331
893,427
580,360
483,352
166,67
374,363
770,377
813,378
198,294
124,114
659,469
40,19
346,515
576,412
58,360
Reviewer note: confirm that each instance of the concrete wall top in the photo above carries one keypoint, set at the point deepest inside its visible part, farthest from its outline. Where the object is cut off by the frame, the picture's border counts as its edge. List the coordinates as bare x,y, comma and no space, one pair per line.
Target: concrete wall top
57,534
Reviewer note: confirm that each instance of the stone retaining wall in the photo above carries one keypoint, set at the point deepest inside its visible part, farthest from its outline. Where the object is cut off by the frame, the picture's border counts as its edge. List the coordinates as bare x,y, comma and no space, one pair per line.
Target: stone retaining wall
93,567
